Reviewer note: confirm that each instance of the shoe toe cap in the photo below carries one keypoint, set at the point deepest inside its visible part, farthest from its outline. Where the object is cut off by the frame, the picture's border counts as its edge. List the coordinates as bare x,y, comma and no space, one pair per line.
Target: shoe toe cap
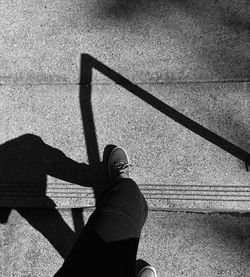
147,272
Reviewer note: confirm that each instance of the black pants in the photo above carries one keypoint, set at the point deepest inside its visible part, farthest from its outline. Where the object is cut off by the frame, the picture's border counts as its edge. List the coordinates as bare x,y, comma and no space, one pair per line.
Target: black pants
107,245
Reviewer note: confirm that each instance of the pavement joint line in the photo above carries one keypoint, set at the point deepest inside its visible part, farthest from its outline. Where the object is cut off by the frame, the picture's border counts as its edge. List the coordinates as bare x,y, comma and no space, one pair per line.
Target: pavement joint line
144,187
173,210
204,211
137,83
147,195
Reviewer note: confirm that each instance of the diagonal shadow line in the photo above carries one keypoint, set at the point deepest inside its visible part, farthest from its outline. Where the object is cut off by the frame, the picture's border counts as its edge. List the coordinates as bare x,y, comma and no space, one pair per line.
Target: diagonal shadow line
90,62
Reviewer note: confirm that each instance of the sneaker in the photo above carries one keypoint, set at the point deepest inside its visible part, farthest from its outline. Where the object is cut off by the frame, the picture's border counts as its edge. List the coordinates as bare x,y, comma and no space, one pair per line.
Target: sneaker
143,269
118,164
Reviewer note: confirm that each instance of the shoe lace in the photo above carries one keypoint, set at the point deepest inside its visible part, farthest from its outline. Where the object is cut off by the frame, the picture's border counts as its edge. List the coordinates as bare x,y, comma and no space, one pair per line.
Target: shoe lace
121,166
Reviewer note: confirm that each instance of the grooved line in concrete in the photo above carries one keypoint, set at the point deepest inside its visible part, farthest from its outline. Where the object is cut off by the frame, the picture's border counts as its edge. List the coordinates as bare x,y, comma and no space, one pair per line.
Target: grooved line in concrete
219,81
154,191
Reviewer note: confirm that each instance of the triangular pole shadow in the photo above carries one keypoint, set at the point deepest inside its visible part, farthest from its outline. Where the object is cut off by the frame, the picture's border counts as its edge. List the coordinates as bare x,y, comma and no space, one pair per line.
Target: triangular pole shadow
88,63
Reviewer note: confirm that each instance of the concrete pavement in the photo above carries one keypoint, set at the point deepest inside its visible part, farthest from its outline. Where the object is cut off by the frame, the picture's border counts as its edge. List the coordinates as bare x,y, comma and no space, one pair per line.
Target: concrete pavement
192,55
147,41
175,243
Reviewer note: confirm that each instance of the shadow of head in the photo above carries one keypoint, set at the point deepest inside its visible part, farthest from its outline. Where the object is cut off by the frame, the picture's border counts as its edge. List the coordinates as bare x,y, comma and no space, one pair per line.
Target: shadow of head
22,162
23,172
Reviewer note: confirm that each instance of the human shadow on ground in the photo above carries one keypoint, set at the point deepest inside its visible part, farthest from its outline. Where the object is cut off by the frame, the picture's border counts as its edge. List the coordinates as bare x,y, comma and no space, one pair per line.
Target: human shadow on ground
25,163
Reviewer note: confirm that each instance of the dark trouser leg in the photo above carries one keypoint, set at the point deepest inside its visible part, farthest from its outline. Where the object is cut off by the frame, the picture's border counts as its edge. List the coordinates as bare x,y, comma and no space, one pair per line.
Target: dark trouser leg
108,244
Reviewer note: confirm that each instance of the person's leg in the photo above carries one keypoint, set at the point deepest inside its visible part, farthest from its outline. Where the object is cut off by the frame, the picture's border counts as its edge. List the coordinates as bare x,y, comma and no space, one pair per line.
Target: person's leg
121,211
109,241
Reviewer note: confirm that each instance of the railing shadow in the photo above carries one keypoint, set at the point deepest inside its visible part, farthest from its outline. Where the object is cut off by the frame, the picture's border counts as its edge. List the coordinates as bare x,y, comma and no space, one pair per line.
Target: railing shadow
85,89
88,63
